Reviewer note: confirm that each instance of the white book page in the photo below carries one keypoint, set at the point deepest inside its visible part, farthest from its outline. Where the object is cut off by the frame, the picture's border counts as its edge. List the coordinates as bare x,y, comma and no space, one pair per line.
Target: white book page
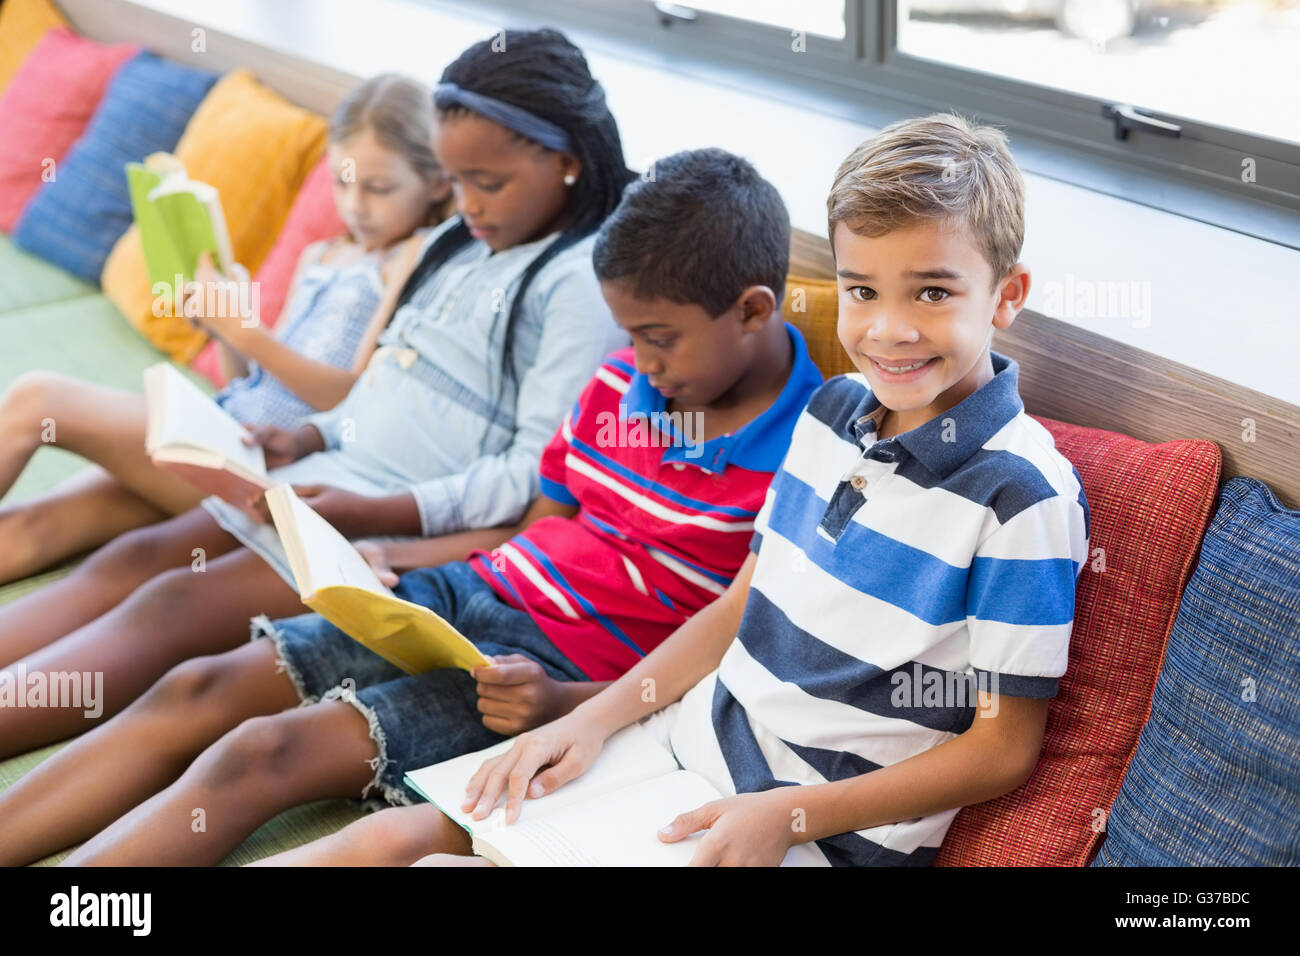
617,829
320,555
630,756
181,415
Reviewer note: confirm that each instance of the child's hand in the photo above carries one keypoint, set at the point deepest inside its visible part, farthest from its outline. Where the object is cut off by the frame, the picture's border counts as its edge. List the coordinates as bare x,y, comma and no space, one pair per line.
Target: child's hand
221,305
749,829
345,510
567,747
377,558
516,694
280,446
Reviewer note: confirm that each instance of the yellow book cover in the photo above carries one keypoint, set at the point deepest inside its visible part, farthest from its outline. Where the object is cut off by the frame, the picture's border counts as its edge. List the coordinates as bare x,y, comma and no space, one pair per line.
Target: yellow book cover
335,581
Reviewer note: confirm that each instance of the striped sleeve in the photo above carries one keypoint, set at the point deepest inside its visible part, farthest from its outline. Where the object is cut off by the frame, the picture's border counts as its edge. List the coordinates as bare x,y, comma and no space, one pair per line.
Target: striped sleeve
554,473
1020,597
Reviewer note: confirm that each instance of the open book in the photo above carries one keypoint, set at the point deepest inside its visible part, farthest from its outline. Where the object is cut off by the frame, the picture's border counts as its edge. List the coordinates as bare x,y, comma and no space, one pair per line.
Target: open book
190,434
335,581
178,219
609,816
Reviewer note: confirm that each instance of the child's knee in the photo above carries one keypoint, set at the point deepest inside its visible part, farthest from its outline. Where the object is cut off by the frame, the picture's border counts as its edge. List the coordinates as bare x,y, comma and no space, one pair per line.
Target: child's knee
259,749
168,598
130,554
398,835
187,685
29,400
451,859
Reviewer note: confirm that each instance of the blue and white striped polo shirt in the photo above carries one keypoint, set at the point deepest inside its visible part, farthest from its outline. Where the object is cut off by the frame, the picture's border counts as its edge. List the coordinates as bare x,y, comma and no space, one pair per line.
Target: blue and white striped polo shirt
895,577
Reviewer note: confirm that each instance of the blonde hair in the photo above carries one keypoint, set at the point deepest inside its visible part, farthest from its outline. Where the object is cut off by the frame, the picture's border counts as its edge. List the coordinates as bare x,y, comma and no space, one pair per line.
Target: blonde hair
938,167
398,110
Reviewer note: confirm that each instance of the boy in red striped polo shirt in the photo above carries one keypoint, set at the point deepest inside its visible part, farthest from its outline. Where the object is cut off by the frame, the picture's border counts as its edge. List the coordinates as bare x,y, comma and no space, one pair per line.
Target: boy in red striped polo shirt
649,493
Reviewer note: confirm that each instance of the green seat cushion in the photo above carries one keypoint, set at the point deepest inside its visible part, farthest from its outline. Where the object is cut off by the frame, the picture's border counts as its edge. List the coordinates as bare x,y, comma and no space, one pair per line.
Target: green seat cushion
26,281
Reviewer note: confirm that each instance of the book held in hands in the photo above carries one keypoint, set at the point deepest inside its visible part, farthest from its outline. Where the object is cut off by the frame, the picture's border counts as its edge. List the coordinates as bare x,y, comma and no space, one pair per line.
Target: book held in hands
191,435
336,582
609,816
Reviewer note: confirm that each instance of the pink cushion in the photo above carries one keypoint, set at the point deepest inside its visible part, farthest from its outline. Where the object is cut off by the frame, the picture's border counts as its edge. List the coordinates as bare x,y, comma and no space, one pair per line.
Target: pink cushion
1149,505
45,109
312,218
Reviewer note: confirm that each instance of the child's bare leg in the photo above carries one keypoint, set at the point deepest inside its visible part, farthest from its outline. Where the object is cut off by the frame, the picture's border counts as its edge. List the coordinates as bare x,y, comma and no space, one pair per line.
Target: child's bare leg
104,579
178,615
103,774
105,425
449,859
397,836
89,510
264,766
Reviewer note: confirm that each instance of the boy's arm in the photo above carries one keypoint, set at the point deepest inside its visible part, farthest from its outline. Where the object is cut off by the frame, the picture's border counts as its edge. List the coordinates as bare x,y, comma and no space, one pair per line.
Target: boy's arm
665,674
568,746
993,757
516,694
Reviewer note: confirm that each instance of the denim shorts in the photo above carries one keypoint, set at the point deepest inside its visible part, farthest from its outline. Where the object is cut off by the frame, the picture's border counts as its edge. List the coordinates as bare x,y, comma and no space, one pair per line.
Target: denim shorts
421,719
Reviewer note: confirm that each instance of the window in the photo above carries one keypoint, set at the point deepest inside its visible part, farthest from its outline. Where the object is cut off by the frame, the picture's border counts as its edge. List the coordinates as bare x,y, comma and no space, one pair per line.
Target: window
1230,63
1188,105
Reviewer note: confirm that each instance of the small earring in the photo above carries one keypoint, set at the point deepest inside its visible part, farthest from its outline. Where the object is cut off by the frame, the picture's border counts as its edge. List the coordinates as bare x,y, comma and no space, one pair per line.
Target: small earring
570,179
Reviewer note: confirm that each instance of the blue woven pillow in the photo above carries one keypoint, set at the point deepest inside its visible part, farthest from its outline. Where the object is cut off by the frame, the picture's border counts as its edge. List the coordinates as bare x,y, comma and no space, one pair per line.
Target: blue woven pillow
1216,776
74,220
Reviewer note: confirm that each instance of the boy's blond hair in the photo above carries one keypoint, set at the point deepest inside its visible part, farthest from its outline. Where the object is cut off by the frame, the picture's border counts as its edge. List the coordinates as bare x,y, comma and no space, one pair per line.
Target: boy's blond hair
938,167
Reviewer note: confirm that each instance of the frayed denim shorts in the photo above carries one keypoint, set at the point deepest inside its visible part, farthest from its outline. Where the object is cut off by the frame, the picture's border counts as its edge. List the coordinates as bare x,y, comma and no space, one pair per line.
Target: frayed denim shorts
421,719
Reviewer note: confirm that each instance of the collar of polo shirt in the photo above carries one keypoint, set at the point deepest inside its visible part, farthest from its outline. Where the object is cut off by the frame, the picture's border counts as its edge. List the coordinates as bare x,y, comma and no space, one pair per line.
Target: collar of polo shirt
975,420
753,445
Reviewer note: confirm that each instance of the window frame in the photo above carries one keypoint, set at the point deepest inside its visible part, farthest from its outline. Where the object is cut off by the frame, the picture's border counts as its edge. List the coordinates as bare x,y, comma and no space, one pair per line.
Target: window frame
1056,133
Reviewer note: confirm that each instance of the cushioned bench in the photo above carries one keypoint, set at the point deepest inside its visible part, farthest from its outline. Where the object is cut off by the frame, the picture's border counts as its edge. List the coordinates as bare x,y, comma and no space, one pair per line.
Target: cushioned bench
1175,737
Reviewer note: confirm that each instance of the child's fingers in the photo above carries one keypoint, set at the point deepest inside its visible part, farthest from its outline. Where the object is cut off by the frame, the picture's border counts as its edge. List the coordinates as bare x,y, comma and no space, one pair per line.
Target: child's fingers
474,788
496,707
495,692
534,756
684,824
497,780
557,776
516,669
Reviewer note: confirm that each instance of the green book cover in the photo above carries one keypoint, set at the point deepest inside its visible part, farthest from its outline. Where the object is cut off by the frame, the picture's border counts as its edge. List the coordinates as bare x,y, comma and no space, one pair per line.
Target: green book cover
179,219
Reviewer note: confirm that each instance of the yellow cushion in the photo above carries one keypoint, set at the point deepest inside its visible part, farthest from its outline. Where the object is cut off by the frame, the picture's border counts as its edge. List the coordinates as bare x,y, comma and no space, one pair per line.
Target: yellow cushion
812,306
22,24
256,148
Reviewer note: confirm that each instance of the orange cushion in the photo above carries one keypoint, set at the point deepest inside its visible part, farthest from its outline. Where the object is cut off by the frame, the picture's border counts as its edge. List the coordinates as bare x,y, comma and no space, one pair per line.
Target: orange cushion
22,25
812,305
314,217
256,148
1149,505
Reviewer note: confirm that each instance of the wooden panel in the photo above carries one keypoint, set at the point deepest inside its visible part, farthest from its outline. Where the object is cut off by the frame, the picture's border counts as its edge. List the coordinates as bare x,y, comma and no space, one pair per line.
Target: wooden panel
310,85
1080,377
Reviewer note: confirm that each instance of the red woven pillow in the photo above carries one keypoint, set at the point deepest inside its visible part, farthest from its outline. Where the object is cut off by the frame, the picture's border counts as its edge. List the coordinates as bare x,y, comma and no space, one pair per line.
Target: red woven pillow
312,217
1149,505
45,109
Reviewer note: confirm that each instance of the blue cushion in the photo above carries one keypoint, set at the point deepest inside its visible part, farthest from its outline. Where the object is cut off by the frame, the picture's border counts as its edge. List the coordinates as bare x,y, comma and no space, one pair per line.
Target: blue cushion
1216,776
74,220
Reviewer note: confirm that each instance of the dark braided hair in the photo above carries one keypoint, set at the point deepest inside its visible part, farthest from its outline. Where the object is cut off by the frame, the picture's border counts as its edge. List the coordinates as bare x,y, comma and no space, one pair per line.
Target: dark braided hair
542,72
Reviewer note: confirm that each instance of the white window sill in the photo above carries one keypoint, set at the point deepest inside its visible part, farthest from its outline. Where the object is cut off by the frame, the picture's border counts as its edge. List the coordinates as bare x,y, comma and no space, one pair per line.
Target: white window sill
1210,298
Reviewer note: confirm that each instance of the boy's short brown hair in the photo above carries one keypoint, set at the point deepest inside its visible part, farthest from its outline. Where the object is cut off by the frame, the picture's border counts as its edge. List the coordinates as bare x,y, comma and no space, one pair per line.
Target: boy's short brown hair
934,168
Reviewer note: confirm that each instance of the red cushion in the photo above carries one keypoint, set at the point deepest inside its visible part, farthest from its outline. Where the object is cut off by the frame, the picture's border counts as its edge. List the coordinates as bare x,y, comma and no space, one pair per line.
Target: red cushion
1149,506
45,109
312,217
